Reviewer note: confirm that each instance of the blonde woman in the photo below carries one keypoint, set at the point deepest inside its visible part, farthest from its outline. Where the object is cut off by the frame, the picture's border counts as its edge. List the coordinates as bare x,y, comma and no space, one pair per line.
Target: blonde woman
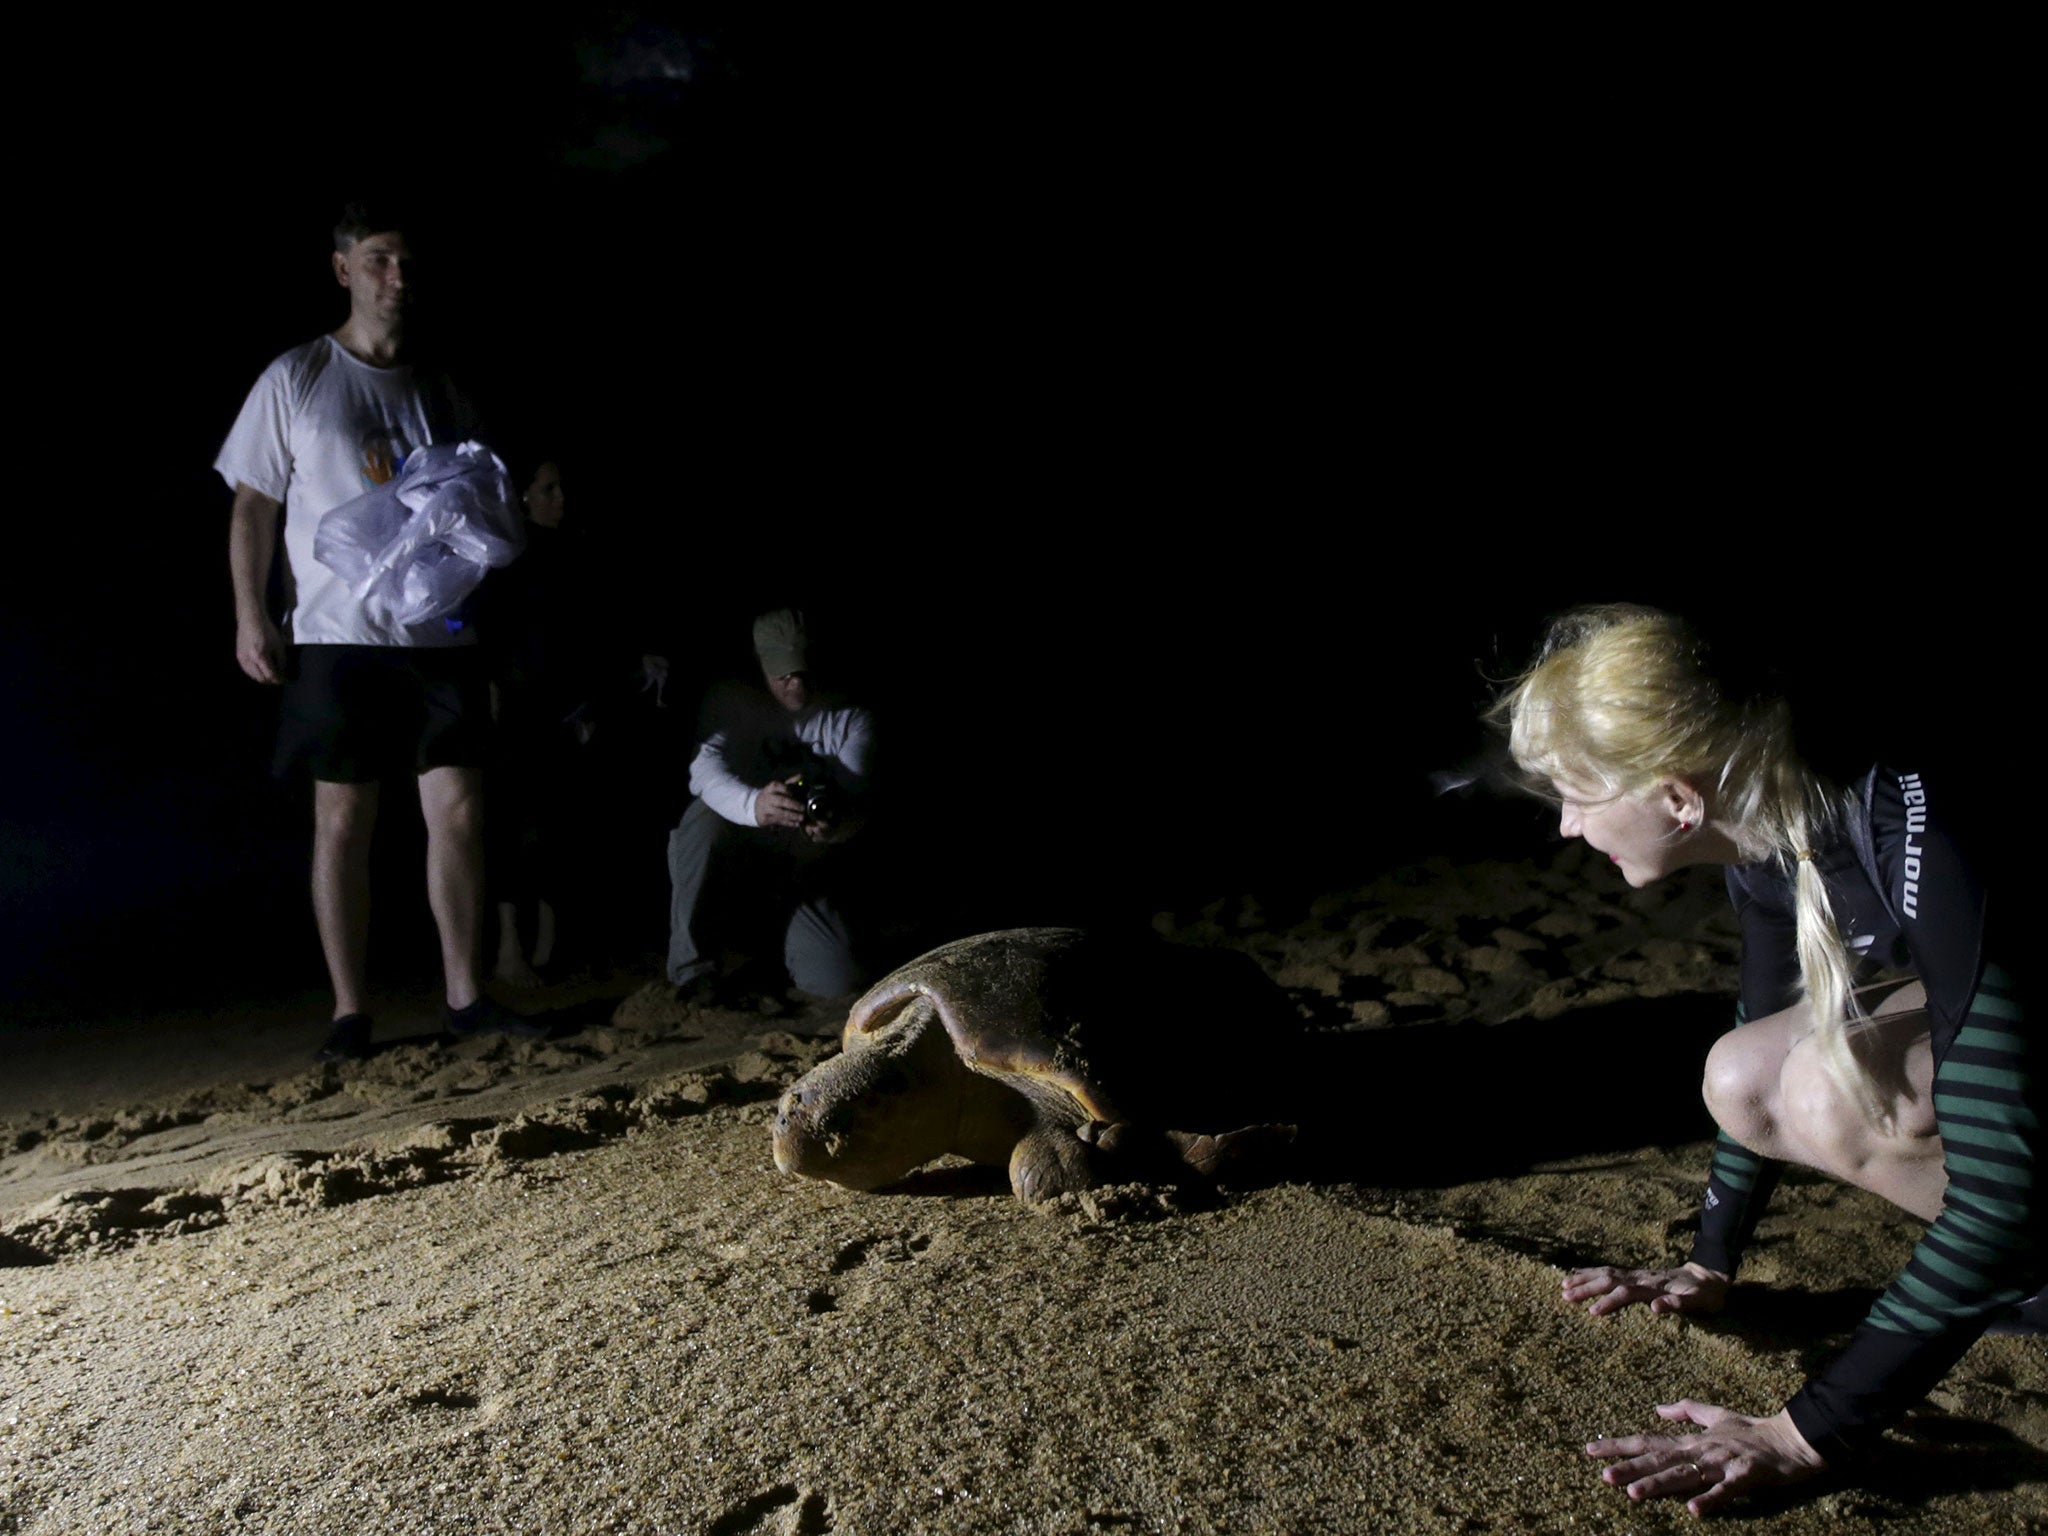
1927,1090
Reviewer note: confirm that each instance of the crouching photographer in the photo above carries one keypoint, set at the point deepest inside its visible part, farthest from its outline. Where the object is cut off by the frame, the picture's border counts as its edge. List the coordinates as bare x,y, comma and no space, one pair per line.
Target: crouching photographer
782,779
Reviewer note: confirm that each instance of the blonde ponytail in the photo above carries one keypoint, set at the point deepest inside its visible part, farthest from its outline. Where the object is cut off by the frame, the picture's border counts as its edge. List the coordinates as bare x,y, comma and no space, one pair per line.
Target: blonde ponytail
1623,696
1828,975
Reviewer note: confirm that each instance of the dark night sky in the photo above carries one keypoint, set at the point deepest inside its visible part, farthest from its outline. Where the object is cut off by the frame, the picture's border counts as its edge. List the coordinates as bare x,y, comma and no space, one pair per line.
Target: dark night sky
1167,426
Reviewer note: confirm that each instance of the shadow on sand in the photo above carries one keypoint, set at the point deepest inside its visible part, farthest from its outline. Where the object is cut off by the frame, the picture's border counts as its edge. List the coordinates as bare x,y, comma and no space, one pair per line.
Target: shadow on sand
1428,1105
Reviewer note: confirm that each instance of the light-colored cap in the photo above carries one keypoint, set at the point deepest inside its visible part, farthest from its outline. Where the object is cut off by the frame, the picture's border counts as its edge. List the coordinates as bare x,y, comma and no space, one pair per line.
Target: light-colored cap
779,642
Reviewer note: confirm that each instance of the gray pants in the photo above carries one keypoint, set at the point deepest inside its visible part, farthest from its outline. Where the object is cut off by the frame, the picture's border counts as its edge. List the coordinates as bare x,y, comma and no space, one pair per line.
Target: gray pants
756,875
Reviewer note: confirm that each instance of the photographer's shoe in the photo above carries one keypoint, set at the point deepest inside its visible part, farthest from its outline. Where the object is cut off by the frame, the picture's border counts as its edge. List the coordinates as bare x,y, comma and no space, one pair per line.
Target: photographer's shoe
485,1017
703,992
348,1039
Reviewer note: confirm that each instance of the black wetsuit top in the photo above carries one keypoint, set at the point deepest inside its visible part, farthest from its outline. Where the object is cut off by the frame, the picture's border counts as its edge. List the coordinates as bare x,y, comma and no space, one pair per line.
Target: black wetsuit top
1905,898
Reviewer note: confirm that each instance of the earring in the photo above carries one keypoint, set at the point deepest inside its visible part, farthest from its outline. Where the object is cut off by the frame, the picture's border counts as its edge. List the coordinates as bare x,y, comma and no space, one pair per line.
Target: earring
1685,826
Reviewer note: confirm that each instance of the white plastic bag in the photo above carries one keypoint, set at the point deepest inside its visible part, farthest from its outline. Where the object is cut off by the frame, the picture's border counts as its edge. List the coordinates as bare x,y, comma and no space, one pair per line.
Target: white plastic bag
412,549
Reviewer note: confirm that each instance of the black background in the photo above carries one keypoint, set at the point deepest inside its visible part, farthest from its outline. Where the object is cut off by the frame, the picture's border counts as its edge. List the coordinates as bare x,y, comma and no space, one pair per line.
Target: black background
1170,428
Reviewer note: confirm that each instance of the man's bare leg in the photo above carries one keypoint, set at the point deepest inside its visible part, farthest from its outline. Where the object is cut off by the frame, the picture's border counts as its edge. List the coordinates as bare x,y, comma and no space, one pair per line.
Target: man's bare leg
344,815
512,967
451,800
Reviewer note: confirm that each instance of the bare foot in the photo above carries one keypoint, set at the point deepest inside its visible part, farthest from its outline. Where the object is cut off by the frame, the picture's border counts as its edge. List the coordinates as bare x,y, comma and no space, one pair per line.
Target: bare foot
515,972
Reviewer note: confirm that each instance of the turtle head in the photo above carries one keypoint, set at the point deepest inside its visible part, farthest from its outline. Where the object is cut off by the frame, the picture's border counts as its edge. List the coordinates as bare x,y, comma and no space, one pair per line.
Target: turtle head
889,1103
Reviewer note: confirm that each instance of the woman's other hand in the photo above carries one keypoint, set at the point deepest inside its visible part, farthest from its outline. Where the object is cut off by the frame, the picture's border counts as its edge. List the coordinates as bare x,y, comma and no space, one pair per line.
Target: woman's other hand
1689,1288
1734,1454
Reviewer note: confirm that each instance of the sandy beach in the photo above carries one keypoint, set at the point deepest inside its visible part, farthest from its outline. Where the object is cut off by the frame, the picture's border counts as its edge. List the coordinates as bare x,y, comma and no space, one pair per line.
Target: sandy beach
560,1287
1178,433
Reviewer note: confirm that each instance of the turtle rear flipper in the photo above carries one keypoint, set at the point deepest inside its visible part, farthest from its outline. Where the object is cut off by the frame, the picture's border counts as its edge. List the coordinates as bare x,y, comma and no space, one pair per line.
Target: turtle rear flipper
1130,1152
1253,1151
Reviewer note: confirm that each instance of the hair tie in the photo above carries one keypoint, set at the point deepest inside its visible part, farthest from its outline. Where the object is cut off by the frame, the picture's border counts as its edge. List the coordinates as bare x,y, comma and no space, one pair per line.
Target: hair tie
1805,855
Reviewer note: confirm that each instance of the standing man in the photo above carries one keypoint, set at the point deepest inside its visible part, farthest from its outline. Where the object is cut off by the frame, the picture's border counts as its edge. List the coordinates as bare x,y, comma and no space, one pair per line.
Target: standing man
363,700
781,780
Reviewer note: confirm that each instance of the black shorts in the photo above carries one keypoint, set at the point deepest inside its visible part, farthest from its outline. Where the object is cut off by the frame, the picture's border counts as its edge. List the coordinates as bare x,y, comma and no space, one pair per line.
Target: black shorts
353,714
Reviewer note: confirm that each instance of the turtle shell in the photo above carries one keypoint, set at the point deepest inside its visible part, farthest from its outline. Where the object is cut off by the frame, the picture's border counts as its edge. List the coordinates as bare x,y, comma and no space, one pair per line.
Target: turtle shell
1130,1029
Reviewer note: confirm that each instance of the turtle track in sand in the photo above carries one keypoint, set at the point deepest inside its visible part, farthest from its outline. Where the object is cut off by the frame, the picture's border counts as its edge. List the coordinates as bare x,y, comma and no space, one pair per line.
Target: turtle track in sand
93,1218
1368,970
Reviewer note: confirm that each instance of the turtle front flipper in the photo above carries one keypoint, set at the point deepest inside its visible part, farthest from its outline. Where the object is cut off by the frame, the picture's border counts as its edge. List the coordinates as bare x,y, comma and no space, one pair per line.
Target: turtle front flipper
1052,1160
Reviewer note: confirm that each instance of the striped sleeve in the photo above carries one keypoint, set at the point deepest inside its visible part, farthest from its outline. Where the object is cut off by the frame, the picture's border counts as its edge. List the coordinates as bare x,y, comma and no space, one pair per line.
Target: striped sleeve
1740,1183
1739,1188
1983,1254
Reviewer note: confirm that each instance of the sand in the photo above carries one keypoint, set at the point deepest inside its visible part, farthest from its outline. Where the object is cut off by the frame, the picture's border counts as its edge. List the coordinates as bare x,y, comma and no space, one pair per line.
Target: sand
560,1287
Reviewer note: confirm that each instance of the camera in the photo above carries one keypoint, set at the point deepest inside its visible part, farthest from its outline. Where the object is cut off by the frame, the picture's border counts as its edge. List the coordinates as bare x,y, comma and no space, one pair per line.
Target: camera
820,796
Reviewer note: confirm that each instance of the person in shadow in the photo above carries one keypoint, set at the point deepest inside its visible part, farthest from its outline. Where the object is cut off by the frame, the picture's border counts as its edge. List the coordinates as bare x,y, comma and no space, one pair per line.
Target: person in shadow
560,670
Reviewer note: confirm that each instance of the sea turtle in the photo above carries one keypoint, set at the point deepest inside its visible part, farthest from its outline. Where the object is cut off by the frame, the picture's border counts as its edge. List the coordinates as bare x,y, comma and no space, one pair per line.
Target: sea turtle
1075,1059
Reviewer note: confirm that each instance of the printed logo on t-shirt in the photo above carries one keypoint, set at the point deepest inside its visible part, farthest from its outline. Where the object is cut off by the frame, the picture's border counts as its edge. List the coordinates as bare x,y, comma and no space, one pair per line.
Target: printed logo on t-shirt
384,453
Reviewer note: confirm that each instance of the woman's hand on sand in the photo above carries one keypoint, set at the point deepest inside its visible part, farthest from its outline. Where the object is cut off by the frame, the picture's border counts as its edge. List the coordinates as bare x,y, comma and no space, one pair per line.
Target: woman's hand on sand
1689,1288
1734,1455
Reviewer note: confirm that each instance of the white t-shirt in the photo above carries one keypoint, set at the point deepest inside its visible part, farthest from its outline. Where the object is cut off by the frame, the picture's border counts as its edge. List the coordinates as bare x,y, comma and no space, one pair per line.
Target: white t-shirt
750,739
320,428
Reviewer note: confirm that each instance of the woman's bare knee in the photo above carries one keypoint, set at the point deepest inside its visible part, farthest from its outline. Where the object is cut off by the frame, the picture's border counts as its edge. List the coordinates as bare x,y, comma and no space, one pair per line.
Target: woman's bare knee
1741,1089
